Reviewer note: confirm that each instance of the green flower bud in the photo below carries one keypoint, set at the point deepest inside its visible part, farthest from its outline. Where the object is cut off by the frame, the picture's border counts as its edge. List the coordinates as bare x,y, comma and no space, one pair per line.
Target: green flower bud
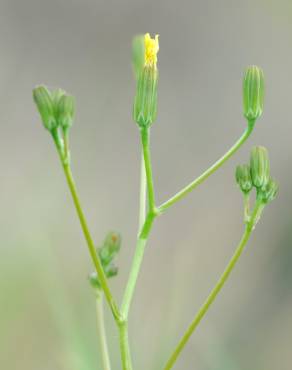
259,167
110,247
44,103
56,96
243,178
94,281
65,111
270,192
111,271
253,93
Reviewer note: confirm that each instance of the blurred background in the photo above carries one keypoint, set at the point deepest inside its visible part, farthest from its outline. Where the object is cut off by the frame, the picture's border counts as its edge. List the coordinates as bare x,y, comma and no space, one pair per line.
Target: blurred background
47,309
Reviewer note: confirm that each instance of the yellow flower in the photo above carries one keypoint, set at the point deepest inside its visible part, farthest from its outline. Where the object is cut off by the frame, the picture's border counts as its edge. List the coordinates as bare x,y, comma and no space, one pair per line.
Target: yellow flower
151,50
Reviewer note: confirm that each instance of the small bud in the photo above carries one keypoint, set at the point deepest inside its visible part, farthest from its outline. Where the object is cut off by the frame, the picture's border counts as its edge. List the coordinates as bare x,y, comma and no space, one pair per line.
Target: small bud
44,103
270,192
145,104
243,178
110,247
253,93
66,111
260,167
94,281
111,270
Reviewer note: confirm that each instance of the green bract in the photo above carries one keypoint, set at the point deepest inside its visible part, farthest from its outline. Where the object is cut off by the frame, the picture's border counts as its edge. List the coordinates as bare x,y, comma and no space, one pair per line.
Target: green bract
253,93
259,167
145,104
138,54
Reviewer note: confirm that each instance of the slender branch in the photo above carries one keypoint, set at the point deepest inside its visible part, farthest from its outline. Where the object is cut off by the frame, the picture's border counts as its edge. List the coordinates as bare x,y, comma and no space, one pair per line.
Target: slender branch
210,299
102,332
181,194
145,138
90,243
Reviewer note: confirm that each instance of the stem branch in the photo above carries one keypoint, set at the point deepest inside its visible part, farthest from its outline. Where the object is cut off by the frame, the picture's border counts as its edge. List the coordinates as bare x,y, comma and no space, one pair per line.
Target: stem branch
90,243
220,283
178,196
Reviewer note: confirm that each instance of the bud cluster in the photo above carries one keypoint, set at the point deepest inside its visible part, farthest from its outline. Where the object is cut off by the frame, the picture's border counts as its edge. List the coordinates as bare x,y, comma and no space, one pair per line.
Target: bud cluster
107,252
56,108
256,175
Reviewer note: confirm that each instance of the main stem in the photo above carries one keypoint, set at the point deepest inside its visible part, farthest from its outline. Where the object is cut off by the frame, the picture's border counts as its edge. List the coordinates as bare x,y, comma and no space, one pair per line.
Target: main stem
178,196
210,299
145,229
102,332
124,345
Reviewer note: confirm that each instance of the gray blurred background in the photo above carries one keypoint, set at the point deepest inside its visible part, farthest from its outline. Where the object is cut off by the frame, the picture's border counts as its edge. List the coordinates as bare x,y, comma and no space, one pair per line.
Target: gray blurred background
47,318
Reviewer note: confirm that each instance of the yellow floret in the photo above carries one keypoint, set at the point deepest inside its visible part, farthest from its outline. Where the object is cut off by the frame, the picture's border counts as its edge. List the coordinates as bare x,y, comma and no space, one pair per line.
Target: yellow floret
151,50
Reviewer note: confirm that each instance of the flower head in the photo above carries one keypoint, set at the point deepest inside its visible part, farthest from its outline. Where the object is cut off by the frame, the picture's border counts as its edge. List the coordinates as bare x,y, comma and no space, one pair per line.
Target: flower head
151,50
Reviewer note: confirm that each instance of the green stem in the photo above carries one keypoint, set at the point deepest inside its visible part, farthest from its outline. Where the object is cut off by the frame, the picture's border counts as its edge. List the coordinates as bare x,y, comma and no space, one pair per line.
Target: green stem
178,196
210,299
145,138
102,332
143,194
90,243
124,346
136,265
144,231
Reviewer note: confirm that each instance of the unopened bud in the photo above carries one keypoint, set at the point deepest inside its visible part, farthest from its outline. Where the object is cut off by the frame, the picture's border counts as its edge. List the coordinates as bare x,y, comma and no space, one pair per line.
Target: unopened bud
66,111
253,93
110,247
270,191
243,178
260,167
44,103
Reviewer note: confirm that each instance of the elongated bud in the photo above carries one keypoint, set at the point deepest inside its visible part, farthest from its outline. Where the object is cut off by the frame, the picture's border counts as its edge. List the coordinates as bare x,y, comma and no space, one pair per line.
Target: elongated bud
145,104
44,103
270,191
56,96
260,167
253,93
66,111
243,178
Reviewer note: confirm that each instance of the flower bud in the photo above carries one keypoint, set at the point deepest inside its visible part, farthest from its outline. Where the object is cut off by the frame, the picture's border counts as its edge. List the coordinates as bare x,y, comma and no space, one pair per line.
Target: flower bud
110,247
145,104
243,178
66,111
253,93
270,191
44,103
259,167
